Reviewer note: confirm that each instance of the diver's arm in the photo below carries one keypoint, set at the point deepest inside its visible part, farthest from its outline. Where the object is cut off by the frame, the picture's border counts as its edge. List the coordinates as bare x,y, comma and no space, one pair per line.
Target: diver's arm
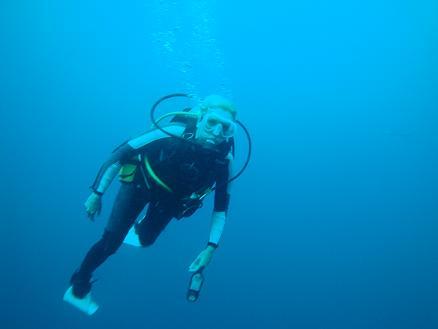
205,256
125,152
111,167
221,203
105,176
216,229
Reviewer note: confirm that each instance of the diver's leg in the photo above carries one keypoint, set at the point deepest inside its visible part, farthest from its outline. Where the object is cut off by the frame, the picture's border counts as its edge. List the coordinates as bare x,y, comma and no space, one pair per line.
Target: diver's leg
129,202
155,221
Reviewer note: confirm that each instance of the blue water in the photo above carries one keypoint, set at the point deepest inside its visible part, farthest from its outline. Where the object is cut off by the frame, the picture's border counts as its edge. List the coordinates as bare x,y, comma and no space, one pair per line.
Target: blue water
334,224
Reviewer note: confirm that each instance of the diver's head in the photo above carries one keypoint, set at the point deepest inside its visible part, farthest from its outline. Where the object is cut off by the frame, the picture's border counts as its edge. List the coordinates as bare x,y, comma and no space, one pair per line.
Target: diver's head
216,122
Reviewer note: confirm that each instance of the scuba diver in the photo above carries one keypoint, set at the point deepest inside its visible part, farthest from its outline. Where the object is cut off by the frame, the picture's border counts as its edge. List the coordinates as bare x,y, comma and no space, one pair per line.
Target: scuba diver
171,169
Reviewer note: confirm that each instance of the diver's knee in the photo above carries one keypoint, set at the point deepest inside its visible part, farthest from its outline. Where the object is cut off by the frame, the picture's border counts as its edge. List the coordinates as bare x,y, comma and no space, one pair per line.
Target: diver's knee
147,243
147,240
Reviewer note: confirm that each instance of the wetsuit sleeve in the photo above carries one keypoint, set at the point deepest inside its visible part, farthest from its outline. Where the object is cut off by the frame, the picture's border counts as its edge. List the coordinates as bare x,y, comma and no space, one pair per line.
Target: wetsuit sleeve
221,202
222,193
111,167
125,152
217,227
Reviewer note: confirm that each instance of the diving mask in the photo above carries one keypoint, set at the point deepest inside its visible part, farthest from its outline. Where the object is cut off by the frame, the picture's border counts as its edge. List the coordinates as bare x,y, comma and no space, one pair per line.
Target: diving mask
214,123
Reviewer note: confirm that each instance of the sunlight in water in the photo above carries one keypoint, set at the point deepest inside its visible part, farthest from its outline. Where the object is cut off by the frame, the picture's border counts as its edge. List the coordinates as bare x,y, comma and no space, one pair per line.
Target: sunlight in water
183,33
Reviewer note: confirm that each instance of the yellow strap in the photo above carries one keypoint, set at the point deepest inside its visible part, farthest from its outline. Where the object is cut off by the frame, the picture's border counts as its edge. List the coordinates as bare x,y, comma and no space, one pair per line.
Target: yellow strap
155,177
186,114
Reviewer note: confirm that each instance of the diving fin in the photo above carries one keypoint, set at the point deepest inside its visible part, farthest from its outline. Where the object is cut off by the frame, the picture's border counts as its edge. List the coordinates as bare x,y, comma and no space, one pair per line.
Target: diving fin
86,304
195,285
132,238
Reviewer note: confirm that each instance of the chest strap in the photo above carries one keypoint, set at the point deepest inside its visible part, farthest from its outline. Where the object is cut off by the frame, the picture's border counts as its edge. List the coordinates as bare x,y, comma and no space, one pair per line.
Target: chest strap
154,176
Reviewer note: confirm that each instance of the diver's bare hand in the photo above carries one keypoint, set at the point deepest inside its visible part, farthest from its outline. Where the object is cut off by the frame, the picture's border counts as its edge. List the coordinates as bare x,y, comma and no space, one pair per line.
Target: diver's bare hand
202,260
93,205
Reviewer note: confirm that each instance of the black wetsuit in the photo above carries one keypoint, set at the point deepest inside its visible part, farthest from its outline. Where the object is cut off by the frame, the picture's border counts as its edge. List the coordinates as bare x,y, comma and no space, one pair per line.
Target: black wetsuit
185,167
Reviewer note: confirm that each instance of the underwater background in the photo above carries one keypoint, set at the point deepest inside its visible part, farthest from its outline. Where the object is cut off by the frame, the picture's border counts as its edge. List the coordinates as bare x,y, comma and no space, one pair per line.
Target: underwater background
334,223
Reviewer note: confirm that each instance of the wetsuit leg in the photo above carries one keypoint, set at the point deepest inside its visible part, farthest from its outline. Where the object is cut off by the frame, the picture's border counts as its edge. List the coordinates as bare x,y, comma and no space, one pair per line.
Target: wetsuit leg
130,201
157,217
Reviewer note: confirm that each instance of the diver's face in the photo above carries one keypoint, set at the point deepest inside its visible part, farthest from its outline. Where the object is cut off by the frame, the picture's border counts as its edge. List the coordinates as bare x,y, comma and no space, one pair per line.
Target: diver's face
215,126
